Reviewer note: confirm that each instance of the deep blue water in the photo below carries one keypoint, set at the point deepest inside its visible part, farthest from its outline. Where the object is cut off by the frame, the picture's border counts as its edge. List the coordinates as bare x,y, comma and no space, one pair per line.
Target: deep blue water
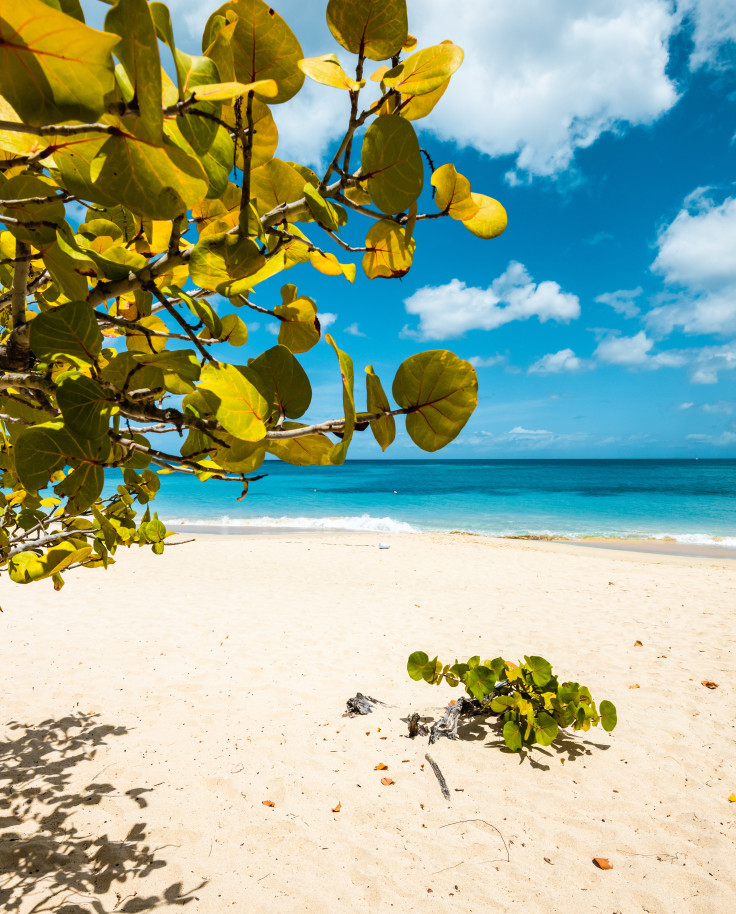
692,500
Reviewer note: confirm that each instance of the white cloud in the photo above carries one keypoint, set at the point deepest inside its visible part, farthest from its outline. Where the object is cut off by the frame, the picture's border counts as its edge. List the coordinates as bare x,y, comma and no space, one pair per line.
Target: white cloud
710,360
696,257
557,362
625,350
529,432
478,361
353,330
273,328
454,308
542,78
326,319
714,27
622,301
723,406
684,406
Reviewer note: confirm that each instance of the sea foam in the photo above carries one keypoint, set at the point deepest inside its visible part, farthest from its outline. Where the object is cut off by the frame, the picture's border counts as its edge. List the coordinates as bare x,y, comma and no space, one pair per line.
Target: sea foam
365,522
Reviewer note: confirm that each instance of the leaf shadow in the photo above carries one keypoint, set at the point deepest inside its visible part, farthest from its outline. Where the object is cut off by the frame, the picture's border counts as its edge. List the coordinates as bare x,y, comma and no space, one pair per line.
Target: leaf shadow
46,864
568,744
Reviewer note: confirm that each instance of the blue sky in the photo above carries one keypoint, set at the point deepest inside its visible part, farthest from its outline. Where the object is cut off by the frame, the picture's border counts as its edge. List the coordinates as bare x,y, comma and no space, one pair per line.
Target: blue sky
603,322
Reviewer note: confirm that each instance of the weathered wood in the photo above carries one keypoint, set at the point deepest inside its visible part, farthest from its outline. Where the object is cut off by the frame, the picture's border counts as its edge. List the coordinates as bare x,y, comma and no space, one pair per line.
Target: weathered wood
447,725
440,777
361,704
416,727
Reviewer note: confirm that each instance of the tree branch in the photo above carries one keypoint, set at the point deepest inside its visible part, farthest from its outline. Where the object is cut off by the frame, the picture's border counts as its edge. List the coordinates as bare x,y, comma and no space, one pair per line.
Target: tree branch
151,287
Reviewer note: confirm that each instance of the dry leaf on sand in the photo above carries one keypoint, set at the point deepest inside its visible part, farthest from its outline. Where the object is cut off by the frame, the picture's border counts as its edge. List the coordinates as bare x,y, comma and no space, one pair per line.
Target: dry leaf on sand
387,782
381,767
602,863
708,684
337,808
268,802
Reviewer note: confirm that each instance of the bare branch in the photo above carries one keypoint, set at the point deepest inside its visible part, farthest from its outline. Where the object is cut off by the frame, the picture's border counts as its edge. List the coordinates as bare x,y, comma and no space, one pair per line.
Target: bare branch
154,289
60,129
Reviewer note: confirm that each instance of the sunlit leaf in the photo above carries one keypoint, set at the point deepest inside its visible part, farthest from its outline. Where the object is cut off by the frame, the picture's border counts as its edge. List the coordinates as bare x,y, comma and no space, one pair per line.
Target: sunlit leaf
453,194
85,406
69,332
384,429
286,377
608,715
306,450
419,106
239,398
331,266
43,85
389,254
512,735
327,70
220,262
425,71
339,451
490,220
299,327
376,28
392,163
52,212
441,391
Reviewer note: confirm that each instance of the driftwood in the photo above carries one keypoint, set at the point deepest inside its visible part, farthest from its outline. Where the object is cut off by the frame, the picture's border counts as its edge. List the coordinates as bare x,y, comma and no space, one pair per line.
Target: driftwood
416,727
440,777
361,704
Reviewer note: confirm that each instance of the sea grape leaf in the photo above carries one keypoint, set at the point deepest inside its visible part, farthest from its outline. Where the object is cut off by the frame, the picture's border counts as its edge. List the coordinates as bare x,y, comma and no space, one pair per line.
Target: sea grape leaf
283,373
43,85
217,216
232,330
512,735
39,453
82,487
376,28
307,450
158,181
137,50
490,221
546,729
480,682
179,367
25,186
540,669
608,716
138,341
331,266
221,262
339,451
425,71
27,566
277,182
126,372
384,429
419,106
326,69
299,327
255,44
453,193
392,163
239,398
324,212
441,390
85,406
68,332
389,254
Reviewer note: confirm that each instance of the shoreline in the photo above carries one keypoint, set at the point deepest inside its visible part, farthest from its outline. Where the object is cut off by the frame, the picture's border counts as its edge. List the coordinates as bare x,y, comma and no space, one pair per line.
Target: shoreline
647,545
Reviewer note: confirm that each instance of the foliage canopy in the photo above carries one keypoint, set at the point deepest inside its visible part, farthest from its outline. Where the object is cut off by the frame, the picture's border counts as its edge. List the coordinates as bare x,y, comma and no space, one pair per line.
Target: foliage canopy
109,331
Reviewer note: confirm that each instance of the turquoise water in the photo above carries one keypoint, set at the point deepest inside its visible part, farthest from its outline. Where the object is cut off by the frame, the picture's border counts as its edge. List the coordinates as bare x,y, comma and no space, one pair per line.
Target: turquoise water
690,500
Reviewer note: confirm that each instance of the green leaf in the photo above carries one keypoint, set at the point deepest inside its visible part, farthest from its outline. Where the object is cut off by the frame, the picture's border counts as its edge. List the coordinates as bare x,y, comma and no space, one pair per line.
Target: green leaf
340,450
82,487
224,263
249,41
324,212
425,71
27,566
389,254
392,163
158,181
128,373
453,194
608,716
546,729
39,453
277,182
307,450
441,390
21,187
490,220
377,28
68,332
233,330
137,50
416,664
85,406
180,368
480,682
239,398
384,429
299,330
283,373
44,85
326,69
512,735
540,669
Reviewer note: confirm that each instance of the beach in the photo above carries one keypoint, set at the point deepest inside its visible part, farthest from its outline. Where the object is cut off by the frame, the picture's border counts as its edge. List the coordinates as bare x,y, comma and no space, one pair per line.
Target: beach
150,710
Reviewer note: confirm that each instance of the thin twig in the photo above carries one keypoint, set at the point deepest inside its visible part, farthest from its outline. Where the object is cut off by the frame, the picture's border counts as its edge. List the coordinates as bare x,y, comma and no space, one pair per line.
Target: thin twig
490,825
440,777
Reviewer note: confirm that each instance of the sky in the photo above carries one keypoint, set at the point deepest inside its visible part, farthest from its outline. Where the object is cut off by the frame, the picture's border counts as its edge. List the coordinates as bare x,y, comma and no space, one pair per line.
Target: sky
602,323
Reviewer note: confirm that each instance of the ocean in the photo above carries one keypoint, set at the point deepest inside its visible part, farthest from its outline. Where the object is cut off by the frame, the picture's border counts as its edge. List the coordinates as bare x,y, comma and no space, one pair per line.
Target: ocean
691,501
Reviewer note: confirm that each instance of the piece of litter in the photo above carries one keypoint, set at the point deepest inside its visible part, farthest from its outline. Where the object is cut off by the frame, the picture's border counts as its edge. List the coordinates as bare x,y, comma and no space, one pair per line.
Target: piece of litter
547,860
383,546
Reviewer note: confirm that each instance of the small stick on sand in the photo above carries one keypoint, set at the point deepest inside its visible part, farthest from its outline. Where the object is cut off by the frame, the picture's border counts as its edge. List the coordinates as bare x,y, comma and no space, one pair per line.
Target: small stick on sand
440,777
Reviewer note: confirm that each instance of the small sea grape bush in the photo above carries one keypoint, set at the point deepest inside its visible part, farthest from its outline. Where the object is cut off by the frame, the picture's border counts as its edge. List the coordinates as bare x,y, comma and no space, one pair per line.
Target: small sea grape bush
533,703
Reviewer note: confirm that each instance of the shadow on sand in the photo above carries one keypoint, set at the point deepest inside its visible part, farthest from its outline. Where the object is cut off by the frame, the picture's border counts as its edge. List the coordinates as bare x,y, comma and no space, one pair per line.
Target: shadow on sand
45,863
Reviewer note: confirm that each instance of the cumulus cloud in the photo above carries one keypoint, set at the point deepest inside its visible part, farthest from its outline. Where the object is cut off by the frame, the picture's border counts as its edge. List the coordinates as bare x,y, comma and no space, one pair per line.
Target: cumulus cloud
714,27
625,350
622,301
453,309
478,361
326,319
353,330
696,258
558,362
542,78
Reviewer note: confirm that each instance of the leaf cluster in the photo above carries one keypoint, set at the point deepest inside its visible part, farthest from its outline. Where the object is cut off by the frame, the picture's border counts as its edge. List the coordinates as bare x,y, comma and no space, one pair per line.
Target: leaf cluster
529,698
120,325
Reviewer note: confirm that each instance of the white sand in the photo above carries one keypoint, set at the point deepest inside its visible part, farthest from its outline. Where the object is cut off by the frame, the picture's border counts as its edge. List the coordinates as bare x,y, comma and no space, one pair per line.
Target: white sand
151,709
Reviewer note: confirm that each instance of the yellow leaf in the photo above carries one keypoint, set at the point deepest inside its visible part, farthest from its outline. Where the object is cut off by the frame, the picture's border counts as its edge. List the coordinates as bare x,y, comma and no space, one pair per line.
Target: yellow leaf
330,265
326,69
453,194
490,220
